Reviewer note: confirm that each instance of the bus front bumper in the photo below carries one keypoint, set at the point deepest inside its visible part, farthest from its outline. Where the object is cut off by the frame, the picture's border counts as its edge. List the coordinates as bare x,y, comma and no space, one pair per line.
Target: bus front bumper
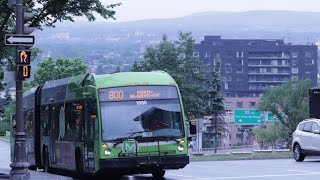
145,163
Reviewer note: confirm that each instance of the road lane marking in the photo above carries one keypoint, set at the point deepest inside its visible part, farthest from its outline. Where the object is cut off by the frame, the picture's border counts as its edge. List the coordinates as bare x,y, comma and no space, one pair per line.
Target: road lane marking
301,171
258,176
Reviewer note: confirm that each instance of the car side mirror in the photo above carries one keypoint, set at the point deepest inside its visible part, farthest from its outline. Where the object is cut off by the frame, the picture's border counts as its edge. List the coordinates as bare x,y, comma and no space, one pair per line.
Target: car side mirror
316,131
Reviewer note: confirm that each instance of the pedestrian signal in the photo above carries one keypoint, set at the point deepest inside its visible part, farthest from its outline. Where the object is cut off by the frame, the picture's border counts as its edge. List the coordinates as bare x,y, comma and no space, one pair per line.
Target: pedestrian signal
24,72
24,57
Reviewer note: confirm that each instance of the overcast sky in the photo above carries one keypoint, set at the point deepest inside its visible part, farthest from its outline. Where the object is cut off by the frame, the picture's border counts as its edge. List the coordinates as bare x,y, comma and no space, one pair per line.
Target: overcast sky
150,9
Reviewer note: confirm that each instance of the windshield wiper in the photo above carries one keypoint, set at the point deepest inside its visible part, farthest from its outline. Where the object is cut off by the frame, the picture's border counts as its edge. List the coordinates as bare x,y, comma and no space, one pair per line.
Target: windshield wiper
120,140
166,137
137,132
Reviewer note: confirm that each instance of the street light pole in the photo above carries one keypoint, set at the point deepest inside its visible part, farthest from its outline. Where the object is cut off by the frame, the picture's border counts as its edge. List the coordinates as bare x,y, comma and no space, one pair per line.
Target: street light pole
19,166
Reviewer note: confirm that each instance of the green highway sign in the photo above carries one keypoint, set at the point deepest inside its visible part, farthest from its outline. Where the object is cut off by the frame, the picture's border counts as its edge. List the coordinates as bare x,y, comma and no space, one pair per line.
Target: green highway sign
252,116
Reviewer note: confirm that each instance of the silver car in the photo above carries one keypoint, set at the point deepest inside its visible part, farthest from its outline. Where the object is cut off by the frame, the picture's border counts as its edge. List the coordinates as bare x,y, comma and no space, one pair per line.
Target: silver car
306,139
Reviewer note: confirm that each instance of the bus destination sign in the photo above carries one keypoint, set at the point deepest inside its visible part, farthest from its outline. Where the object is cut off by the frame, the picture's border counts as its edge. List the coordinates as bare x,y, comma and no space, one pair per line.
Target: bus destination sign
138,93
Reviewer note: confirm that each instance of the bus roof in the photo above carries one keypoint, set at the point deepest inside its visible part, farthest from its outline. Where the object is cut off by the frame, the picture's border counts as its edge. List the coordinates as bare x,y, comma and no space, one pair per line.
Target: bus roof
133,78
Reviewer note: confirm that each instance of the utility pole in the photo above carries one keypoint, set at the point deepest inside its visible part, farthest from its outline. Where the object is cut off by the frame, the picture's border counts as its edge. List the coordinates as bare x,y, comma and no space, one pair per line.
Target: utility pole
19,165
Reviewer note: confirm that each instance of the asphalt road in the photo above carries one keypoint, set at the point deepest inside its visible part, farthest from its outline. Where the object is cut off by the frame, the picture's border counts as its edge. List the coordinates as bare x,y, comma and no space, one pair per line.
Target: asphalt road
284,169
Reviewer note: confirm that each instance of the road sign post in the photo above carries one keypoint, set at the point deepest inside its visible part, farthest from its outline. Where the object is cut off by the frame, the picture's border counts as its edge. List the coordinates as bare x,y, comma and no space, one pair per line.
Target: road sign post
19,165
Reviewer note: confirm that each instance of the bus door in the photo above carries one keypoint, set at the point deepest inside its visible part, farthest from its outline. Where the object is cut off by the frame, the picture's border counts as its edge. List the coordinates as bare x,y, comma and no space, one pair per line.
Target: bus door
53,123
55,114
90,120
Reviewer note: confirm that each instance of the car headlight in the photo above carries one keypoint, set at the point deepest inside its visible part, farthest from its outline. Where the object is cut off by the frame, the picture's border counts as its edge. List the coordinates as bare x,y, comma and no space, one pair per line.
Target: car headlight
180,147
107,152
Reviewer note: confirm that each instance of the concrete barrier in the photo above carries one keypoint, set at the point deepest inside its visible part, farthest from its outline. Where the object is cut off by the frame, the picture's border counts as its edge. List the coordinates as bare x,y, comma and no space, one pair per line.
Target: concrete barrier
262,151
237,153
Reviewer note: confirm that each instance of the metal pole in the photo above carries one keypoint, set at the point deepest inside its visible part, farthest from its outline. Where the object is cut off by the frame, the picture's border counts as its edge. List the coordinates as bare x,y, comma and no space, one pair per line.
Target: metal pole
19,166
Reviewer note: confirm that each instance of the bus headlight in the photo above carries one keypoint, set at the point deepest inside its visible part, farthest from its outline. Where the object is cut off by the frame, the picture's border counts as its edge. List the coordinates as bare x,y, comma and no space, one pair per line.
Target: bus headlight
180,147
107,152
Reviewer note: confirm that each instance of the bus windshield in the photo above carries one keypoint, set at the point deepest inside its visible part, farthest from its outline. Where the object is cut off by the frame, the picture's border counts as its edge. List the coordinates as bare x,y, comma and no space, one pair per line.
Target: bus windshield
144,118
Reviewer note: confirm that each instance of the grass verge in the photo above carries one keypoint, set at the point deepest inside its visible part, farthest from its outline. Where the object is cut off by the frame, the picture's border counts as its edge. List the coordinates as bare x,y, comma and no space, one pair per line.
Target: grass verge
253,156
5,138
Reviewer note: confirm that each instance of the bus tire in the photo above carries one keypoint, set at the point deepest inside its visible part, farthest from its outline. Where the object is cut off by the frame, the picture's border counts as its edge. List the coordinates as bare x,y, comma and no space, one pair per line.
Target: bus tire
32,168
45,162
158,174
79,164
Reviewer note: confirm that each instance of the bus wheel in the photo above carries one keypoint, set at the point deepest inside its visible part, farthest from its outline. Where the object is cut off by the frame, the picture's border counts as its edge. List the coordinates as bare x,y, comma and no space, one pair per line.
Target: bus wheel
79,165
45,155
158,174
33,168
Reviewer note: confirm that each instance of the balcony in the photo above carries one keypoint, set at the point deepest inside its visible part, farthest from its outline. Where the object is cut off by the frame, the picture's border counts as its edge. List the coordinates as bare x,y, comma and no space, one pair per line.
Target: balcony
267,81
268,65
268,73
269,57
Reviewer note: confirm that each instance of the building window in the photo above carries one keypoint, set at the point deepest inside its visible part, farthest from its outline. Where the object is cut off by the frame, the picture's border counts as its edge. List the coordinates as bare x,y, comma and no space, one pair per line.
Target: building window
228,104
238,54
274,70
274,62
239,104
295,54
226,86
239,69
294,70
308,54
252,104
294,62
228,61
228,70
241,53
294,78
207,55
263,70
309,62
196,54
240,62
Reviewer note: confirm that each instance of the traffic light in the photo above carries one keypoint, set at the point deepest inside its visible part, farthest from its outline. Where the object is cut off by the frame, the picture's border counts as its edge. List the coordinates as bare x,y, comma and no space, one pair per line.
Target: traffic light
24,55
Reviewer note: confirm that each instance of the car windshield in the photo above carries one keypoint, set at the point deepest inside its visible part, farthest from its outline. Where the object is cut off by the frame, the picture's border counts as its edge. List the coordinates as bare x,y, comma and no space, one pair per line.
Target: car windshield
152,118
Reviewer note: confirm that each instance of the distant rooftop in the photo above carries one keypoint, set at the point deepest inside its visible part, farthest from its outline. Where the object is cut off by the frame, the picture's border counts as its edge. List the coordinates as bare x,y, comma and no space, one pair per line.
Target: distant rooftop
216,40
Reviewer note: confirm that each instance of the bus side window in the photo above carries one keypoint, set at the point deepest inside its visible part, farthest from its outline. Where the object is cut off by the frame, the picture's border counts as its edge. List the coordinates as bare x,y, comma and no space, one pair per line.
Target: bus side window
74,121
45,120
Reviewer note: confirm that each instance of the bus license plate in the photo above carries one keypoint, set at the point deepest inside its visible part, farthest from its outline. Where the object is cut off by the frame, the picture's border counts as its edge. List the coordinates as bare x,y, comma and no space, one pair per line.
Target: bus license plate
146,134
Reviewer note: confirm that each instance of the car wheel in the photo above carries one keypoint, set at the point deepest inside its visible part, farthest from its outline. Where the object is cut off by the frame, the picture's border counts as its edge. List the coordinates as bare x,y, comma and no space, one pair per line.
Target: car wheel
158,174
297,153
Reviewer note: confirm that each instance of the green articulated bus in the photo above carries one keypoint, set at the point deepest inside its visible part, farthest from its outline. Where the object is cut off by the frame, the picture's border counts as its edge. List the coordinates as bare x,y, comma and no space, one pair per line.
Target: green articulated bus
126,123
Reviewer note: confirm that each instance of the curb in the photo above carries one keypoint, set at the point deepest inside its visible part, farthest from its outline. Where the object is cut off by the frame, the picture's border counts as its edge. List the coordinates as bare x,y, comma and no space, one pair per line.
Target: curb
5,140
245,158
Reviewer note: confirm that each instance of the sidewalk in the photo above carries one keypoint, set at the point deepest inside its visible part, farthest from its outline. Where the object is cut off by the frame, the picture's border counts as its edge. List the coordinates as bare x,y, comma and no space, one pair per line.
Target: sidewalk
37,175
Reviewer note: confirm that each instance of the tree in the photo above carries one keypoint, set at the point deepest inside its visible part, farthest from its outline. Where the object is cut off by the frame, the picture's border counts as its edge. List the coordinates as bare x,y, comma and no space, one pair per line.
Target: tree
5,107
10,109
288,102
266,136
48,13
176,58
50,69
215,106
